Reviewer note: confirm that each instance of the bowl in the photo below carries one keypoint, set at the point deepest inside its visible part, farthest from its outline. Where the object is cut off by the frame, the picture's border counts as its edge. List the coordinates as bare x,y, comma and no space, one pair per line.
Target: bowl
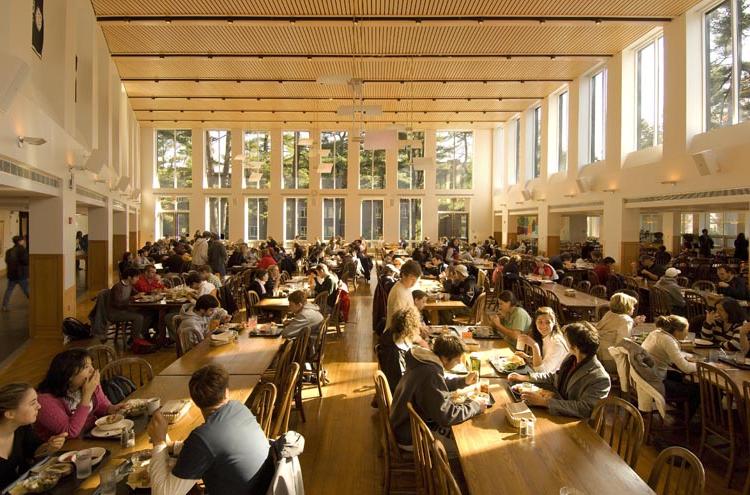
570,292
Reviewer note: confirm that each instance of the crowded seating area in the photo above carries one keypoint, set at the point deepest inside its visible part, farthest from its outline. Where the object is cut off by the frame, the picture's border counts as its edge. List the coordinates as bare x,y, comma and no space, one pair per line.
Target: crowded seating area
374,247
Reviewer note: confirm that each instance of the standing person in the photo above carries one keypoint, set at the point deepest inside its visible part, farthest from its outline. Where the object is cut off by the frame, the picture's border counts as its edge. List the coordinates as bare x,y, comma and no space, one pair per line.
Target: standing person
217,256
19,445
17,264
200,249
705,244
399,297
740,247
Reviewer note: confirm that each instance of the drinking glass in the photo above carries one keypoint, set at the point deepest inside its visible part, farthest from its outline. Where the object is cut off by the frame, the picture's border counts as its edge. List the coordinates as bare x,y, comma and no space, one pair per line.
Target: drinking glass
252,322
83,464
107,481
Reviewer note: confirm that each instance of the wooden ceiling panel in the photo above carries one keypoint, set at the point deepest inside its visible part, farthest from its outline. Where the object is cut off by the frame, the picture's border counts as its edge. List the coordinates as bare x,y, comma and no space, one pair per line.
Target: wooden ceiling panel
425,8
313,116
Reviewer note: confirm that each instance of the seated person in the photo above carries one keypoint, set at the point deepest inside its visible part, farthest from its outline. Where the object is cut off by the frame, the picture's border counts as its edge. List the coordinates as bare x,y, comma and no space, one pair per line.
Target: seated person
229,452
325,281
258,284
615,325
730,285
648,269
149,281
580,382
71,397
238,256
513,320
141,260
420,300
512,270
175,262
194,320
604,269
200,285
20,447
726,326
664,346
274,279
545,270
209,276
668,282
463,286
561,261
497,273
303,315
662,257
435,266
424,385
119,302
545,342
266,260
395,342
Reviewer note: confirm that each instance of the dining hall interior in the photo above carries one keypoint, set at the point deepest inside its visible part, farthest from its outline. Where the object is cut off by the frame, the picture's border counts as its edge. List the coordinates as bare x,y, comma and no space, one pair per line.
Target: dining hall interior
339,246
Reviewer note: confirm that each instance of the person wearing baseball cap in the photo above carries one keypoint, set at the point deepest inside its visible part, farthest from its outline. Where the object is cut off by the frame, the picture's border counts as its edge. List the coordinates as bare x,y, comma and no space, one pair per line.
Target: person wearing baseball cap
462,288
668,282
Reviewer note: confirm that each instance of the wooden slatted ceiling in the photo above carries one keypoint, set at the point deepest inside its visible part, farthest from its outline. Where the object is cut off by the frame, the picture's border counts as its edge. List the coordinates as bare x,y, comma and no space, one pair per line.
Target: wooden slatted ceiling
314,116
126,38
301,8
200,67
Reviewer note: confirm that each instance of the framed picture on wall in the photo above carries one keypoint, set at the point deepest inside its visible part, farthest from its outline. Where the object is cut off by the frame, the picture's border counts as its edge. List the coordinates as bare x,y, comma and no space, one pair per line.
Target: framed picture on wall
37,27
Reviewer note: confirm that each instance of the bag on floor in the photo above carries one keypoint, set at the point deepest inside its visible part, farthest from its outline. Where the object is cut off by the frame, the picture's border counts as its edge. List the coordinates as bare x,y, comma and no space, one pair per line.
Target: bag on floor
75,329
118,388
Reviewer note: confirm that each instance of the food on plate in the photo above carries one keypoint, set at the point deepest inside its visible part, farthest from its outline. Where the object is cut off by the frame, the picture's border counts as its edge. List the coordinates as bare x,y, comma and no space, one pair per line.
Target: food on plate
525,388
140,459
703,342
135,407
40,483
468,394
110,421
60,469
139,478
508,363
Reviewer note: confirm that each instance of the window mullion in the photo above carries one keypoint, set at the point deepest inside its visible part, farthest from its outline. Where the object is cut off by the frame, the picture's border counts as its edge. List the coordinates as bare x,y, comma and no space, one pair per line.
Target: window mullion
736,12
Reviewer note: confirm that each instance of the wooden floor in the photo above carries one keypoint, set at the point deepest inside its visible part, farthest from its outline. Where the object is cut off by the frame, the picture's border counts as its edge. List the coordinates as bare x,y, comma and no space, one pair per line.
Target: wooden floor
341,443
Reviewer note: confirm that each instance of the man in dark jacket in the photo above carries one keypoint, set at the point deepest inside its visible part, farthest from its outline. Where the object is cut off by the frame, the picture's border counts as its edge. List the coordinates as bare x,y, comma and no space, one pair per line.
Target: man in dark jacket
425,386
730,284
217,255
705,244
17,265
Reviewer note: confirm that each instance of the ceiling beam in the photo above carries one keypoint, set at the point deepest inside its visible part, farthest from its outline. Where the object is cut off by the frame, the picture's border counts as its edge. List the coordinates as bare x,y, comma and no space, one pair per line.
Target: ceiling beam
396,112
366,81
261,98
310,56
345,121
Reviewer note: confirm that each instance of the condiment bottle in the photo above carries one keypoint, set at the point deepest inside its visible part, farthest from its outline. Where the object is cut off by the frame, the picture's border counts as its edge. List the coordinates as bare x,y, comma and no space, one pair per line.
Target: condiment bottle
523,427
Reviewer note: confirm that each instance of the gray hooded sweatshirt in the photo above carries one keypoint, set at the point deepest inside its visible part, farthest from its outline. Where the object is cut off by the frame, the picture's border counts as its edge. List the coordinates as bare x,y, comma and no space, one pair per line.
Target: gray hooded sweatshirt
425,386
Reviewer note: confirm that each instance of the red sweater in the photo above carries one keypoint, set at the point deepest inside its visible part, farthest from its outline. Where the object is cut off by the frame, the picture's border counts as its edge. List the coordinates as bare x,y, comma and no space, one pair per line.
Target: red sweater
55,417
148,286
265,262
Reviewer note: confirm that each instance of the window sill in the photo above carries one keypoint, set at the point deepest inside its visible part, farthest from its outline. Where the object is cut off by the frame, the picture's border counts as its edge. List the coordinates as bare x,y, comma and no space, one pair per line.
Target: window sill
646,156
722,137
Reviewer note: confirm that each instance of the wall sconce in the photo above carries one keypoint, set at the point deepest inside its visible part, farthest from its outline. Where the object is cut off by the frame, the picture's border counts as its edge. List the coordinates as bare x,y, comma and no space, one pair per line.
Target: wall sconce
669,182
33,141
570,195
610,190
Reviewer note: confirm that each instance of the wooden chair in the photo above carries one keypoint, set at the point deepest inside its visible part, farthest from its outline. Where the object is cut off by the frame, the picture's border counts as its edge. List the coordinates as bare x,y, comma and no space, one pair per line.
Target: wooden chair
123,329
335,315
567,281
445,483
252,299
592,277
477,311
696,304
316,359
299,356
599,291
396,460
261,404
551,300
746,395
138,370
584,286
283,408
101,355
683,281
422,441
322,302
620,425
704,285
284,276
677,471
631,283
720,398
659,302
601,311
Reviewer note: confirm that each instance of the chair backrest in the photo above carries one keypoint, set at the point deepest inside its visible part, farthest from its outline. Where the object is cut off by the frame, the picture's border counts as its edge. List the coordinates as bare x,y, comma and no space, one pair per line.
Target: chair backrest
696,304
601,311
720,397
659,302
252,299
599,291
551,300
631,283
299,347
445,483
283,408
704,285
592,277
584,286
101,355
422,440
683,281
322,301
284,276
567,281
481,277
677,471
138,370
320,342
384,398
621,426
477,311
261,404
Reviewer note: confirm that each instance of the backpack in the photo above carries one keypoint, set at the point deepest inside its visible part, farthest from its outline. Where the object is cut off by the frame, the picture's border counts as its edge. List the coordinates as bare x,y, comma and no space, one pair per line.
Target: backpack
118,388
75,329
142,346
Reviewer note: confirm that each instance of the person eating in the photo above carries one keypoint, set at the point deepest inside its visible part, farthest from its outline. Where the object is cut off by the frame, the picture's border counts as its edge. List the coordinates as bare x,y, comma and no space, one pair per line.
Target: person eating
194,320
513,320
726,326
545,342
615,325
579,384
396,341
730,285
149,281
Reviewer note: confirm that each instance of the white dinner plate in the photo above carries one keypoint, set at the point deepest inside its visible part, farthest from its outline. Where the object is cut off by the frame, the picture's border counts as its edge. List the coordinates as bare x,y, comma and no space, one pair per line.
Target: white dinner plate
99,433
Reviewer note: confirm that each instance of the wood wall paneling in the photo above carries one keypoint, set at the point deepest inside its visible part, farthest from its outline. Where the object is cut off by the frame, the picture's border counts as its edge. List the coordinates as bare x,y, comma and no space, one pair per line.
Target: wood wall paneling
46,295
98,265
133,242
553,245
629,252
119,246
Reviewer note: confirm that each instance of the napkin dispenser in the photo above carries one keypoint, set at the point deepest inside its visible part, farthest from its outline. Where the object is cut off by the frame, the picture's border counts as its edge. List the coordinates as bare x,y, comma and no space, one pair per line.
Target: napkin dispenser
516,411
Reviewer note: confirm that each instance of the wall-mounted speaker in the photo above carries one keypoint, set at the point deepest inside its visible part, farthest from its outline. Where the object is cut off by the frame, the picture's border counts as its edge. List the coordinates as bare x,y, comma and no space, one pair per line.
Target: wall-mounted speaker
706,162
585,184
12,77
123,183
95,161
527,195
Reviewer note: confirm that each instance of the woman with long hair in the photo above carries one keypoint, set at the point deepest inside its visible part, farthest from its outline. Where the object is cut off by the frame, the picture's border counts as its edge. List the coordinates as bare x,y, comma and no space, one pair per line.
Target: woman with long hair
546,344
726,326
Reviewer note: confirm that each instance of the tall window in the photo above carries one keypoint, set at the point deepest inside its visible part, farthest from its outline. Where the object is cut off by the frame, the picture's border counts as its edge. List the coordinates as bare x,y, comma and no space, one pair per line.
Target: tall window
562,132
514,164
727,47
371,168
686,223
296,161
256,164
536,144
174,158
172,216
454,159
453,218
335,145
410,219
593,227
218,216
295,218
598,112
650,94
218,158
257,219
411,146
333,217
372,219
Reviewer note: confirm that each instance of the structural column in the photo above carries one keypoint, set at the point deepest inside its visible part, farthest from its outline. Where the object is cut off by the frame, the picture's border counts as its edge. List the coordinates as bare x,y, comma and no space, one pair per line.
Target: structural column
119,234
133,242
620,233
670,226
52,288
99,261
